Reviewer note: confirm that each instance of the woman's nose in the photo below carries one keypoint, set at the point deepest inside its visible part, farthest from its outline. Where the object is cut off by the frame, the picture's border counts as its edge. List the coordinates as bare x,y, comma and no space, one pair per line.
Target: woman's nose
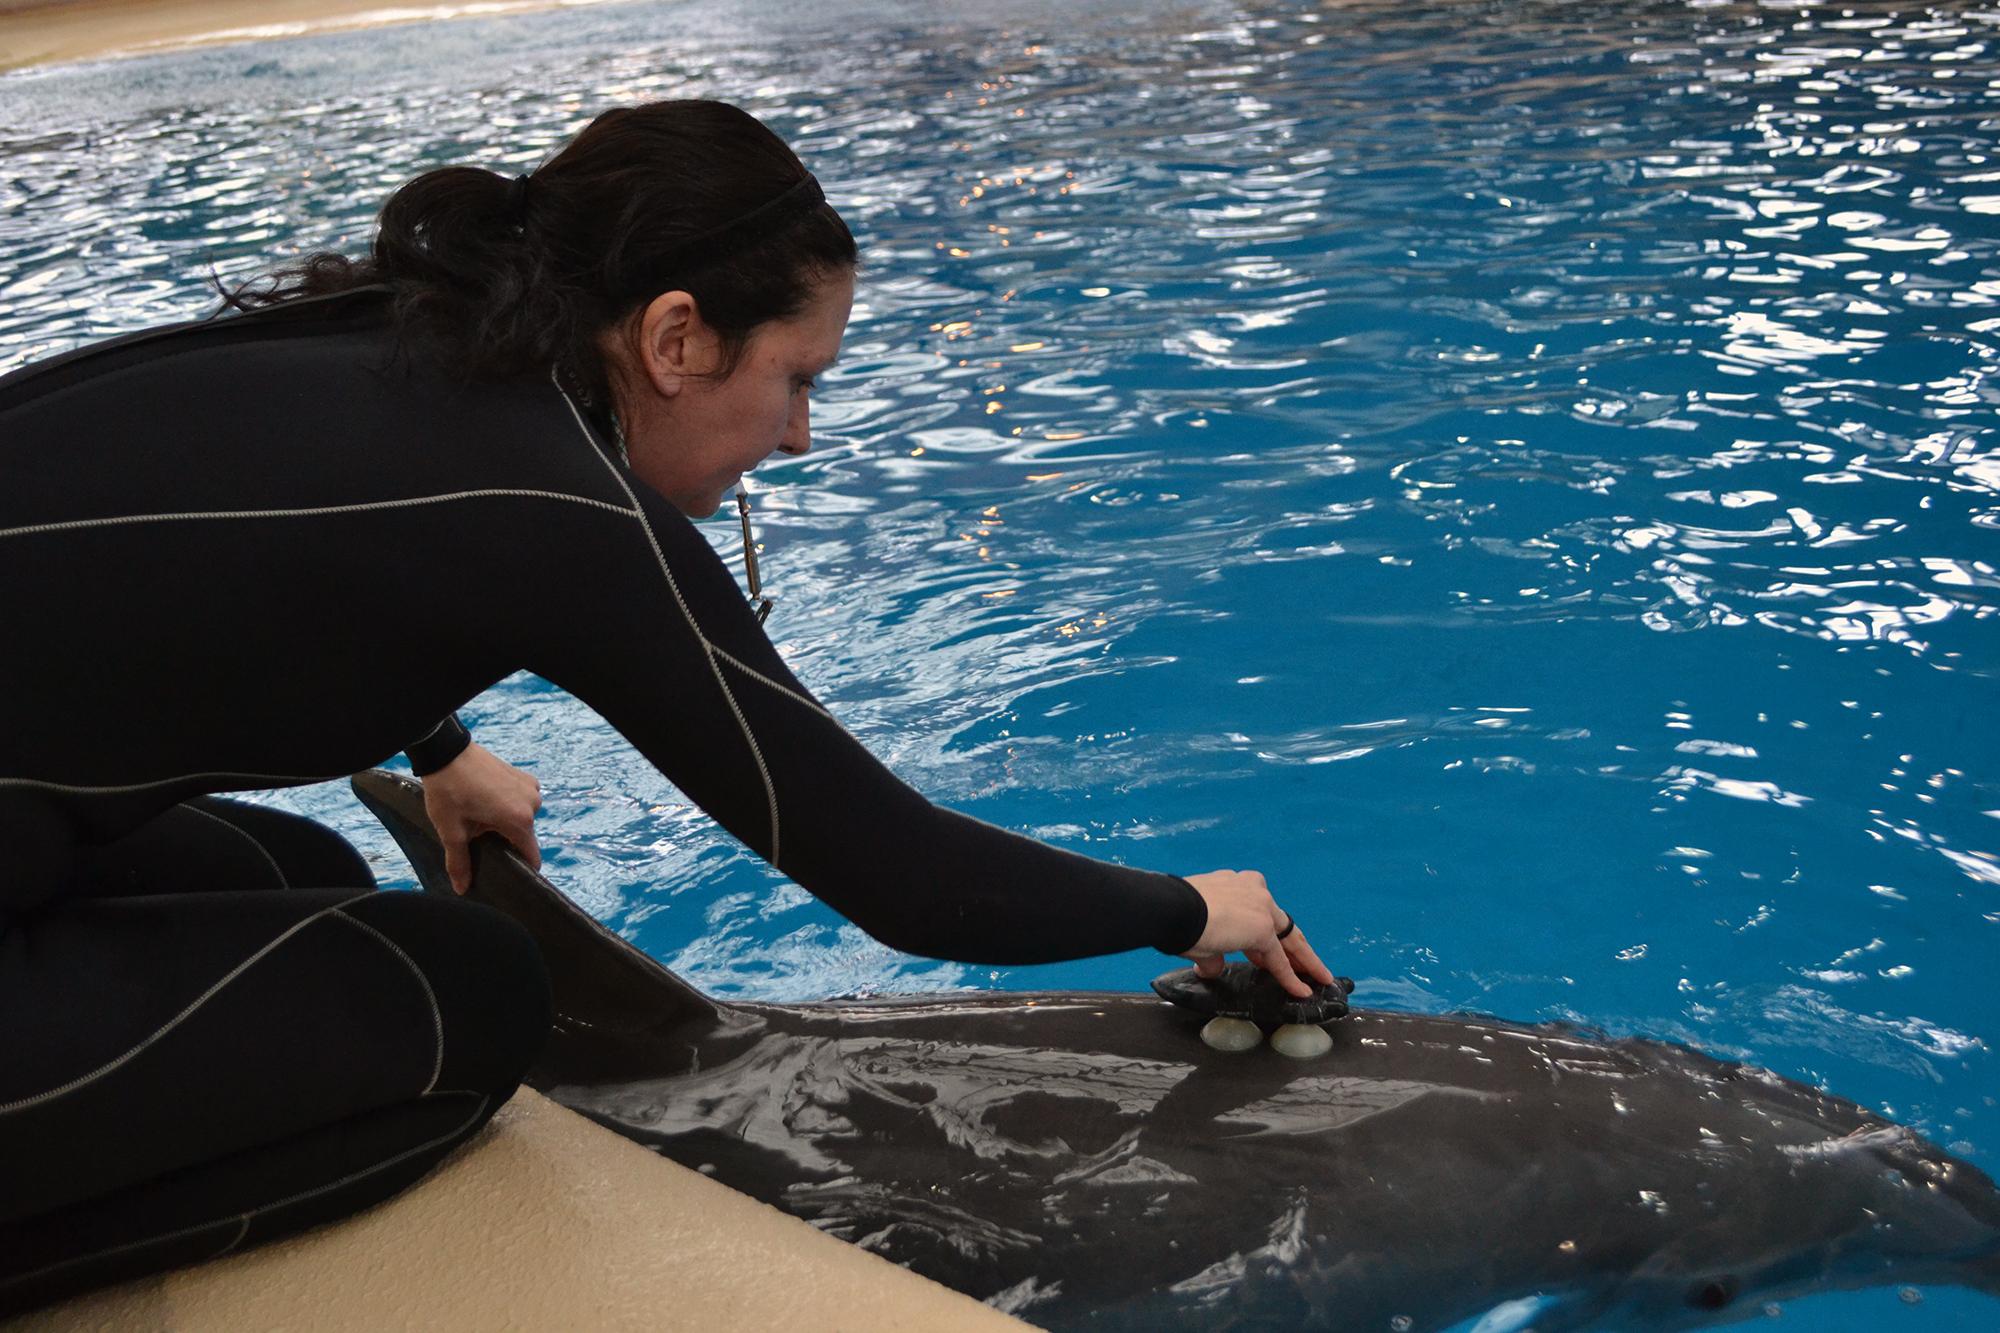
798,431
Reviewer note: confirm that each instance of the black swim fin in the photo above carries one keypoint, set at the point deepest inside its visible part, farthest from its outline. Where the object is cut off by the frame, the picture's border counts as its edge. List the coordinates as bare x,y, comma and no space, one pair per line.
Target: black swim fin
600,982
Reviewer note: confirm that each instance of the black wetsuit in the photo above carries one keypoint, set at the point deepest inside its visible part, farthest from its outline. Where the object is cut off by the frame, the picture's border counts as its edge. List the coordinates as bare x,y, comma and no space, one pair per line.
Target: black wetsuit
207,536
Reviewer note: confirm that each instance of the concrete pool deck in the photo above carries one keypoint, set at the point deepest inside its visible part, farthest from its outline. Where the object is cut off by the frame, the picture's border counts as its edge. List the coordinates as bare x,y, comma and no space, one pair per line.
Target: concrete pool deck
40,32
543,1221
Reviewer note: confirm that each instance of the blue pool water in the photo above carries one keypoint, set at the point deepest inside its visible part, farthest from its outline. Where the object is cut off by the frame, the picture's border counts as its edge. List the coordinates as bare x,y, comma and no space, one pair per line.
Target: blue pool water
1522,475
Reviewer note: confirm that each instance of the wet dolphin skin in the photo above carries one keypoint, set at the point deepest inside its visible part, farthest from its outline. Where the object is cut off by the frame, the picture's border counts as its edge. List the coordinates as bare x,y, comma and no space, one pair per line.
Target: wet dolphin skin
1083,1159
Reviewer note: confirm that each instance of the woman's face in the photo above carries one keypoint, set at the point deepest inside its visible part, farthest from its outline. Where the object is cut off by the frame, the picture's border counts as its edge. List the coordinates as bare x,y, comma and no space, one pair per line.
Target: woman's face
690,434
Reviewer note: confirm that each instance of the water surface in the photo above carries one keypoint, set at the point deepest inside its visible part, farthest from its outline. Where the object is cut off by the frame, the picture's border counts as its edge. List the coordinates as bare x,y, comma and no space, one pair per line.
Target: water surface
1522,475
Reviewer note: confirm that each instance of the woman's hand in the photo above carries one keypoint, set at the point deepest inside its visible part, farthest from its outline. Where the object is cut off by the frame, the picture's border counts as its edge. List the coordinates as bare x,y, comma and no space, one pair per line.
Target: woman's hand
1243,918
477,793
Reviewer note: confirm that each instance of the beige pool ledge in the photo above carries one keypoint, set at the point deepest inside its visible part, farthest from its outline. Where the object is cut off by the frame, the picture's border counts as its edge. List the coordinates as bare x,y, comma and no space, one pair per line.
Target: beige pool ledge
36,32
544,1221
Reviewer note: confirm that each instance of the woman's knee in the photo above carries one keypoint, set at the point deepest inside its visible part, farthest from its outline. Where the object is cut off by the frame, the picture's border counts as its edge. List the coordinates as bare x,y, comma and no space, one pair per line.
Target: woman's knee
303,853
486,976
211,845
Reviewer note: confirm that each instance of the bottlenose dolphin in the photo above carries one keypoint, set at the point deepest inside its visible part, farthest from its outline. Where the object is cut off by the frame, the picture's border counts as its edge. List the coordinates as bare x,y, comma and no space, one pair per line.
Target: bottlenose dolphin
1083,1160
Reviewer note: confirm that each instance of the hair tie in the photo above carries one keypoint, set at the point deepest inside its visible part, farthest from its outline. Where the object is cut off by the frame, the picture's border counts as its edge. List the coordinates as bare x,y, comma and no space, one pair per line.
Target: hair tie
516,205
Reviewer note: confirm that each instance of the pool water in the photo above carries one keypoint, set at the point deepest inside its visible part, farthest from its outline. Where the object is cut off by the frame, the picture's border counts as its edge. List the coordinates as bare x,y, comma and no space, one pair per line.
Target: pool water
1521,475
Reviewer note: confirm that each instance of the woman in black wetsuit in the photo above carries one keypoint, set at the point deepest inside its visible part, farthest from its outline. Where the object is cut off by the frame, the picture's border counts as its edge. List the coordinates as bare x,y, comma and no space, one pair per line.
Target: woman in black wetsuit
481,445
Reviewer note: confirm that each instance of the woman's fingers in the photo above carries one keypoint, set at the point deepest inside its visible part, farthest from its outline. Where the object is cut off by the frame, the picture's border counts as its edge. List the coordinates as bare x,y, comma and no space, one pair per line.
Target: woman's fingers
479,793
520,833
1243,917
1305,961
1273,959
457,855
457,843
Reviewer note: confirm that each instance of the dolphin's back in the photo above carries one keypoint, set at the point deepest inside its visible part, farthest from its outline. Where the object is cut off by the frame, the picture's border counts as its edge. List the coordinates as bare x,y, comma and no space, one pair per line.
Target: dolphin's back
1085,1161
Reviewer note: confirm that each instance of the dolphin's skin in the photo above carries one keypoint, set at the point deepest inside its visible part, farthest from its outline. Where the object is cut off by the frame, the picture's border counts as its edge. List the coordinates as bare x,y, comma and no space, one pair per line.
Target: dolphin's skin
1082,1159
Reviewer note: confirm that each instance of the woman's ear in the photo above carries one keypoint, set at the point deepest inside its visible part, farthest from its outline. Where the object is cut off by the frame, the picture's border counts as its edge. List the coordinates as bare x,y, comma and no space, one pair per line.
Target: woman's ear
675,343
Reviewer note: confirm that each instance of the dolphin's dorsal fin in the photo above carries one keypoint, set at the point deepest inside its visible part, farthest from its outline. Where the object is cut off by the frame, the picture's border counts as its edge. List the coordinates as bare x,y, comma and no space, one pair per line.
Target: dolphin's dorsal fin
598,979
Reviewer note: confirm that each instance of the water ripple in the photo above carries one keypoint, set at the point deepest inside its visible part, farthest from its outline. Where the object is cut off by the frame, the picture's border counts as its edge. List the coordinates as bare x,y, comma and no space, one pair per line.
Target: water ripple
1442,455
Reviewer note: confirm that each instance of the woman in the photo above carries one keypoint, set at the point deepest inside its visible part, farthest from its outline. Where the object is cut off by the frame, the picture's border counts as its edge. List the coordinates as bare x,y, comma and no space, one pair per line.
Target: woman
483,445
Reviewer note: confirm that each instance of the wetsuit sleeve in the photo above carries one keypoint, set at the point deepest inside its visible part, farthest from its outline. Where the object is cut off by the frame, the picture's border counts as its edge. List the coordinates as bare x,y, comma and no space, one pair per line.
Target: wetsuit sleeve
439,746
672,656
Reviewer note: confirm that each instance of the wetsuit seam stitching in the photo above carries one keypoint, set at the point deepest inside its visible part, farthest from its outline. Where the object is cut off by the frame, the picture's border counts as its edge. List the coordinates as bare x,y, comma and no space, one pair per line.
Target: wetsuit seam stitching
709,650
242,1229
120,788
430,997
779,686
111,1066
262,850
385,1163
151,361
244,1219
743,723
311,511
442,724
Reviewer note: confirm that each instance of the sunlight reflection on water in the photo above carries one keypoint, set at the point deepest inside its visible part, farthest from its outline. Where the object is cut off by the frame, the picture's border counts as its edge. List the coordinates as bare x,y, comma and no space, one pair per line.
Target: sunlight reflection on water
1521,475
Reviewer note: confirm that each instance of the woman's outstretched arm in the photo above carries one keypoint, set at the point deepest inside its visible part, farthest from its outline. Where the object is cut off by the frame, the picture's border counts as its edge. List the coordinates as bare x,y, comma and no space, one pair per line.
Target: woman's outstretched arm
663,645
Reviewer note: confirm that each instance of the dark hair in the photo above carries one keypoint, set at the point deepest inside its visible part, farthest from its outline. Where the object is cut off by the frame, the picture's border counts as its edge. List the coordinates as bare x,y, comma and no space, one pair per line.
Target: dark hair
501,276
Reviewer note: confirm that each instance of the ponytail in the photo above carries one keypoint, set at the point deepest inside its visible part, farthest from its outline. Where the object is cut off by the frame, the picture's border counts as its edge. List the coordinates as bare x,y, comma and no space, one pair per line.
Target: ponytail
500,276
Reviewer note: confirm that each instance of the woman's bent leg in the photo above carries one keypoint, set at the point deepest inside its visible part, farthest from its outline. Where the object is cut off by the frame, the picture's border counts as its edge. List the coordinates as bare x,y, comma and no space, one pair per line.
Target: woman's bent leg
182,1074
210,844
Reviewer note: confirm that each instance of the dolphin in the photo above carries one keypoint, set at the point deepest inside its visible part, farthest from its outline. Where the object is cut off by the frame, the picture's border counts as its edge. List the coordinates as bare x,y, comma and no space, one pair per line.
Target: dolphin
1082,1160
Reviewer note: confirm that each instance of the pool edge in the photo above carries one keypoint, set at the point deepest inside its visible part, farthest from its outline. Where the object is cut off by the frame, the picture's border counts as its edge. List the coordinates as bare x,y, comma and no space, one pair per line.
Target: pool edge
544,1220
58,32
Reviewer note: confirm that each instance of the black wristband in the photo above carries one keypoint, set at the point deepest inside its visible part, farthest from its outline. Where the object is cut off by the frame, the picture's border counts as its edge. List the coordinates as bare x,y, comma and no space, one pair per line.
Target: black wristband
446,742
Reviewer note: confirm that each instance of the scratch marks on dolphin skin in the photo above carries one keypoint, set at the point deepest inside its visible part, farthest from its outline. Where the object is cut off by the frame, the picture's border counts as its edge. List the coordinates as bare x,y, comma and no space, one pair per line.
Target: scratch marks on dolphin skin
1125,1165
974,1088
841,1207
802,1098
1139,1170
781,1096
1542,1036
1317,1105
1283,1250
1515,1316
1024,1296
1882,1137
